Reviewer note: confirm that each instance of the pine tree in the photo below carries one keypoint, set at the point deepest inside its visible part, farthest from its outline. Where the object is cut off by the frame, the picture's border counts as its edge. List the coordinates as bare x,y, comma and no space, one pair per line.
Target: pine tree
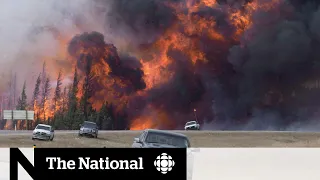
35,99
57,98
104,120
36,93
6,105
10,83
73,100
43,75
45,97
14,90
61,117
64,99
87,89
22,103
57,93
10,105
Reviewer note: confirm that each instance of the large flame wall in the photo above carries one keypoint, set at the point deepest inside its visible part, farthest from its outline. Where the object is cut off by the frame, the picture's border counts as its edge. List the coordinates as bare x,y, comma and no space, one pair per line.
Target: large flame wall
240,64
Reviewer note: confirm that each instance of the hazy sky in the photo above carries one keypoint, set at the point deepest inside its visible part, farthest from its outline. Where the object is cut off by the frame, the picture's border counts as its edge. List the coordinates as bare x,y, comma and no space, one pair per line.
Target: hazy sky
23,46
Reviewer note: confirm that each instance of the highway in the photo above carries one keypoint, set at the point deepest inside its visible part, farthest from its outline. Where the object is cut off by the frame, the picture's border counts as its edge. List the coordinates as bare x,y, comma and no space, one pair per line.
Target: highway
197,139
26,132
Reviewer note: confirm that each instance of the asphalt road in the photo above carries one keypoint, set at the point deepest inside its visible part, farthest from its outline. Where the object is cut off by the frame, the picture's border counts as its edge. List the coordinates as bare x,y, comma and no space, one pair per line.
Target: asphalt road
197,139
23,132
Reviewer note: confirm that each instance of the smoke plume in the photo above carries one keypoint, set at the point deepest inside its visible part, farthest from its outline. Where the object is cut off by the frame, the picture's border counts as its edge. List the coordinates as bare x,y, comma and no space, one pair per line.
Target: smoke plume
243,65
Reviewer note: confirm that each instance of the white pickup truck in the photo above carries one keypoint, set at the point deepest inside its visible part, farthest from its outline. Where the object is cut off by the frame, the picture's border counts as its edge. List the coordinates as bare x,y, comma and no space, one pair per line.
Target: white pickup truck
192,125
43,132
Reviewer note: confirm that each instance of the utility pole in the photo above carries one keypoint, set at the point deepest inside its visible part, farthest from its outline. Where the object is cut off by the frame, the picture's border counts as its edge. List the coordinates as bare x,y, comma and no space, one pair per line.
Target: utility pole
14,89
2,107
2,120
195,114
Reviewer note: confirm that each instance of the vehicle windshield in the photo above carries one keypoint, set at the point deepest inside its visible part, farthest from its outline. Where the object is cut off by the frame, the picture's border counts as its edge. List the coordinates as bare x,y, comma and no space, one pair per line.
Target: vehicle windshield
167,139
191,122
43,127
89,125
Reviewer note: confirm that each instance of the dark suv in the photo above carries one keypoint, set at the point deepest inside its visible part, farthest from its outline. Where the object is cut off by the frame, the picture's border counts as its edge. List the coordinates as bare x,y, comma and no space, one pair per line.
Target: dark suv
152,138
88,129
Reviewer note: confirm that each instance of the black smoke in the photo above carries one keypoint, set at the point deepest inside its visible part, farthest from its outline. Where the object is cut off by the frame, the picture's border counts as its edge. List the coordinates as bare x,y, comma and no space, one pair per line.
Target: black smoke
273,65
190,86
256,82
92,47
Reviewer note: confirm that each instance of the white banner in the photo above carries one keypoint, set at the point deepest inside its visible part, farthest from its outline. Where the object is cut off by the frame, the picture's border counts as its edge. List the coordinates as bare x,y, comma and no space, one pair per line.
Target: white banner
226,164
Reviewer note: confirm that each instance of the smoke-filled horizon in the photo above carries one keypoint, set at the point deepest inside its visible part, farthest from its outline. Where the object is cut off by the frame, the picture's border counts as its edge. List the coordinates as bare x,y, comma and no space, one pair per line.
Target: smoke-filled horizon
243,65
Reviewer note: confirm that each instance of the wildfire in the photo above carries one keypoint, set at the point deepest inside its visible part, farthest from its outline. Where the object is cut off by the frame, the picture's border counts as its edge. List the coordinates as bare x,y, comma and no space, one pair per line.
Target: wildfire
184,36
142,123
183,39
152,118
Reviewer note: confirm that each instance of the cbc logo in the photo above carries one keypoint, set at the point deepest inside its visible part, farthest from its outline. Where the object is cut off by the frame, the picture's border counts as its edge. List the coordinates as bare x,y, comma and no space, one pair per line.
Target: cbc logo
164,163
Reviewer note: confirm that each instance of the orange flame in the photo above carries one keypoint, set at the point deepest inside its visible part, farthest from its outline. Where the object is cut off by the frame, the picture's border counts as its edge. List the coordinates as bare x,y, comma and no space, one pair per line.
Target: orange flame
183,36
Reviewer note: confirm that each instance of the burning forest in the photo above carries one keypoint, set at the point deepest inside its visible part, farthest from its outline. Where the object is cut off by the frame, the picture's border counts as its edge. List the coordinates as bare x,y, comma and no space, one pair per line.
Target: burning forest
243,65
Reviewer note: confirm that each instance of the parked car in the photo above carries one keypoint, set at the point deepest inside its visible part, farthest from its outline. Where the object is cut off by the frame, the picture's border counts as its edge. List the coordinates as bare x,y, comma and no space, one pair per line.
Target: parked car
192,125
43,132
151,138
88,129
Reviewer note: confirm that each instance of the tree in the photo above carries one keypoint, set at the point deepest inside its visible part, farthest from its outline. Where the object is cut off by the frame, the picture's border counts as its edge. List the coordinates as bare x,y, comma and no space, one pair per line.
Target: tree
61,116
45,97
44,74
104,119
87,89
14,90
43,91
57,98
57,93
36,93
12,95
73,100
22,103
64,98
35,99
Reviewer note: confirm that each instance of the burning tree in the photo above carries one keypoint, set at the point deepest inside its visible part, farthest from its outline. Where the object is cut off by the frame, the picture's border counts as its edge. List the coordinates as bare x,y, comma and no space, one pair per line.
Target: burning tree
85,105
57,99
22,105
72,103
35,99
45,107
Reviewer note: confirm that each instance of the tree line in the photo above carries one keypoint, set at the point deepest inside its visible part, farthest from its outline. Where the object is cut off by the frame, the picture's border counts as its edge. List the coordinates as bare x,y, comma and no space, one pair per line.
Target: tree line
64,109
